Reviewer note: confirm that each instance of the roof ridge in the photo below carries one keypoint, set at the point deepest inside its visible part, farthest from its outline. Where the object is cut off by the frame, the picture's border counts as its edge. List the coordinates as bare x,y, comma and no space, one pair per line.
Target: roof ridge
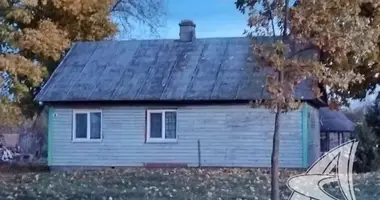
171,39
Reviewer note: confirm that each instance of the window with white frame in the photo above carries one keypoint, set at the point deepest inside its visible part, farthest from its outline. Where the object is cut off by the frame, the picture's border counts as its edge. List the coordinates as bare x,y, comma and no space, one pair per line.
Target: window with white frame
87,125
161,125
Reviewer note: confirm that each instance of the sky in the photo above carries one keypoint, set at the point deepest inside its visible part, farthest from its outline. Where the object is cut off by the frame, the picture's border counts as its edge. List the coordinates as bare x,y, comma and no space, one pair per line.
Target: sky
213,18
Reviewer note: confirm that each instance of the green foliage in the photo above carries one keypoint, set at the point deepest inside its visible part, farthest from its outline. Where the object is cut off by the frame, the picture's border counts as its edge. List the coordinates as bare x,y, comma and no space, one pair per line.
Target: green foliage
368,134
372,117
367,155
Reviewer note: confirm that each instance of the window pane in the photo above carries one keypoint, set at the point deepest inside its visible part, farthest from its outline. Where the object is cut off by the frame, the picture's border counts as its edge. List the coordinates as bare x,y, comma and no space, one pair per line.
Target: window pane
170,125
95,119
155,125
334,140
324,142
81,125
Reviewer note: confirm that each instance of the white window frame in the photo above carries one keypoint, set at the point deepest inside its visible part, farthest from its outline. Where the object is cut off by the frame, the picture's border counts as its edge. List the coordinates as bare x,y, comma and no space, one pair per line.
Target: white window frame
88,112
162,139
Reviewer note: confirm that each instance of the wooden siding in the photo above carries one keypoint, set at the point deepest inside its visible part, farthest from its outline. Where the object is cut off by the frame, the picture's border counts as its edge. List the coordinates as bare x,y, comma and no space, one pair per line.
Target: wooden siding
230,136
313,135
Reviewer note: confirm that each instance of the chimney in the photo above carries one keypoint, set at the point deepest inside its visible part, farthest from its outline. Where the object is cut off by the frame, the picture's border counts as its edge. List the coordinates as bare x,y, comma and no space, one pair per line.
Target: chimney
186,31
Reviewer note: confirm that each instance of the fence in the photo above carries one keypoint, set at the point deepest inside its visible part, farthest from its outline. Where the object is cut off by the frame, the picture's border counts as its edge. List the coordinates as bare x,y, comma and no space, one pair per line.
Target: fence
33,143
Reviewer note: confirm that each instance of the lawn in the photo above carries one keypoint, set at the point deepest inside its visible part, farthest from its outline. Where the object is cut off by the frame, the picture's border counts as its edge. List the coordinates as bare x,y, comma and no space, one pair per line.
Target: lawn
158,184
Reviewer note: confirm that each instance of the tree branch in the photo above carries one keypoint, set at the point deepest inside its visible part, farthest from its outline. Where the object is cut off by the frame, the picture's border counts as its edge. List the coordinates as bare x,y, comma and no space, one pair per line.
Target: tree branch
148,13
285,20
300,51
115,5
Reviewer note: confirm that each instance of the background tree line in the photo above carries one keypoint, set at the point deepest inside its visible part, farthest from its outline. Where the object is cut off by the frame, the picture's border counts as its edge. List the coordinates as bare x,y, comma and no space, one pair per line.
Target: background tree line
367,131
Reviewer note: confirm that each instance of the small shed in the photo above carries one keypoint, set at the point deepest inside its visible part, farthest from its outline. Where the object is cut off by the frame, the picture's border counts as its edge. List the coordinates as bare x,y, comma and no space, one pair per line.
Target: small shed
336,128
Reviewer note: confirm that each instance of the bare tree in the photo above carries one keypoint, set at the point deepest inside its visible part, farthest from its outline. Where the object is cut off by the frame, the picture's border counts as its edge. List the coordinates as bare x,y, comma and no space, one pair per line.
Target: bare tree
140,14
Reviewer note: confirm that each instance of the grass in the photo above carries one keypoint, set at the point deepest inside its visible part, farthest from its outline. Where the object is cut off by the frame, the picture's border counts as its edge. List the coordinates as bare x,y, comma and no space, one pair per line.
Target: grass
159,184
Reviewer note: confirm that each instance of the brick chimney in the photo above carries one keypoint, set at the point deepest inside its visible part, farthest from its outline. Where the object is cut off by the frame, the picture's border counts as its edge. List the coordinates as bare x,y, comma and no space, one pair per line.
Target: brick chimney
186,31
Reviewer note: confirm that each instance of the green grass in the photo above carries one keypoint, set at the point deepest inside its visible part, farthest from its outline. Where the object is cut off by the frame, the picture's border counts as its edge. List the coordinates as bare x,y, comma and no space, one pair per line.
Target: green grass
158,184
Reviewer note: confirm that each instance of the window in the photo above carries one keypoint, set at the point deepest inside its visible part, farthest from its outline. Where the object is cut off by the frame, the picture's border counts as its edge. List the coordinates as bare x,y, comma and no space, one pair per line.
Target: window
161,126
325,142
87,125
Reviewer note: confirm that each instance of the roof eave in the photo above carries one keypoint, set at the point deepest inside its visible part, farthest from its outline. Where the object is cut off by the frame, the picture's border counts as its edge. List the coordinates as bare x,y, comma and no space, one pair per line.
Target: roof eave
152,102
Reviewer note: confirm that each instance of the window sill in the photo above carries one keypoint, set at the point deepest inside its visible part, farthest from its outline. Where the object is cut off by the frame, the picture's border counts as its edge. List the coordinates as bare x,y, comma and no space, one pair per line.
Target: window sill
161,141
86,140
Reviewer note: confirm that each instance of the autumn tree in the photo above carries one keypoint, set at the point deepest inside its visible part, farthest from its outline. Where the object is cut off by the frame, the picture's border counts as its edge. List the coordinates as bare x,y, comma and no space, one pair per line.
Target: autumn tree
35,35
336,35
371,74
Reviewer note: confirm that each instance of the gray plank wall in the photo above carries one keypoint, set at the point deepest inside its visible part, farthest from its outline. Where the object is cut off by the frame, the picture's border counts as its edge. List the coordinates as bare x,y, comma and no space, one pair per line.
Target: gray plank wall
313,135
231,136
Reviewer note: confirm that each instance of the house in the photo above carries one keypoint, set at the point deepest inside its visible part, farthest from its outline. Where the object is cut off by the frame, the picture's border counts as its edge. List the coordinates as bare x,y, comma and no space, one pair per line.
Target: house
181,102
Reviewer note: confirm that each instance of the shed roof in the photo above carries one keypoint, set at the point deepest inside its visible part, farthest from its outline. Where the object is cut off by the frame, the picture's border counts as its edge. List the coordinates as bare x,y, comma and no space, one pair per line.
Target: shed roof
335,121
205,69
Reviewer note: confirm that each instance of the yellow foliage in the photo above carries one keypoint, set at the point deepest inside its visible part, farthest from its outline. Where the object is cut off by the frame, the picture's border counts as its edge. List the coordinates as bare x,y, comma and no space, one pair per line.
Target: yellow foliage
20,15
46,40
10,114
341,36
37,33
20,66
30,2
344,36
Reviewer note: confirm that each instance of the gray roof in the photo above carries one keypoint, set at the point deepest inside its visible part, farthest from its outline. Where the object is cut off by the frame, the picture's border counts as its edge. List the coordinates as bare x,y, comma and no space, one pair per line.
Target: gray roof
205,69
335,121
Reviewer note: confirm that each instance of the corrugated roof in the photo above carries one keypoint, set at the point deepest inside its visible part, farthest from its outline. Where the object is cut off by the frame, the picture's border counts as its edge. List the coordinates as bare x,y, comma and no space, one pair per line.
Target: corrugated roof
335,121
205,69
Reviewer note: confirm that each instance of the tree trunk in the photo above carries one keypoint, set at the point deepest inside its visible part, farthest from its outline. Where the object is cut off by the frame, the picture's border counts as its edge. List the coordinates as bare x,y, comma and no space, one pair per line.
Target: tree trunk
275,192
